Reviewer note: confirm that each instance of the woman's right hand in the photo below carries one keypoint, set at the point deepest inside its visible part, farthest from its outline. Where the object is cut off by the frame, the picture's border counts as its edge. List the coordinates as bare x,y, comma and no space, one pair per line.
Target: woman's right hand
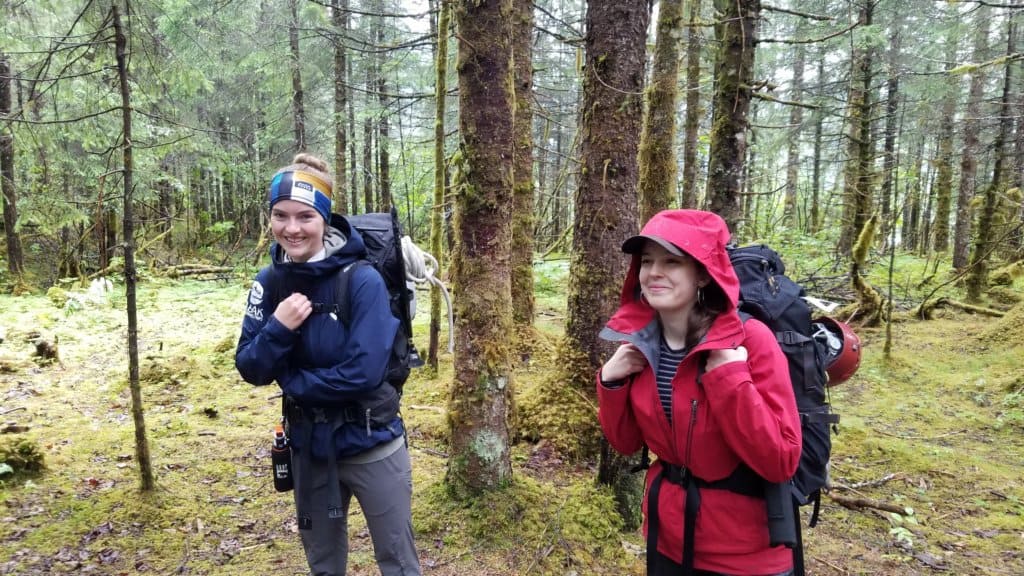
293,311
627,360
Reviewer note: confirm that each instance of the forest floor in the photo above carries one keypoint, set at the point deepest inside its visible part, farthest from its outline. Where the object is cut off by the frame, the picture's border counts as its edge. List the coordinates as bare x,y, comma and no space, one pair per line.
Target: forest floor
928,462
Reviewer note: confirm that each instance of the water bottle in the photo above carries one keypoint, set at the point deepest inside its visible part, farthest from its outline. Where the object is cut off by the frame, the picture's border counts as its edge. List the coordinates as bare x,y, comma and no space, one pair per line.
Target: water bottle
281,458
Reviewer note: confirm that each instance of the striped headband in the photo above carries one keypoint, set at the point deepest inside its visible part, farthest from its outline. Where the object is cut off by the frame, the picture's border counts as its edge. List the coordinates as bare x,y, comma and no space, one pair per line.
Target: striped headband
302,187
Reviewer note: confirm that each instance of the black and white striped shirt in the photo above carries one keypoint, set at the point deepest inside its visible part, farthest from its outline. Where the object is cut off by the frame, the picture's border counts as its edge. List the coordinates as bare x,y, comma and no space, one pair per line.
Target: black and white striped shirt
668,362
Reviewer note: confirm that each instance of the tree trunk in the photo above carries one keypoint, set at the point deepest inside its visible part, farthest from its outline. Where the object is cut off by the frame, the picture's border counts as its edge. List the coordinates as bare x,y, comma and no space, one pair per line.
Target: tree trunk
481,395
968,158
384,201
790,213
889,146
944,160
688,198
138,415
977,280
815,219
340,18
15,256
297,96
858,173
736,33
436,211
606,205
522,193
657,139
368,164
353,153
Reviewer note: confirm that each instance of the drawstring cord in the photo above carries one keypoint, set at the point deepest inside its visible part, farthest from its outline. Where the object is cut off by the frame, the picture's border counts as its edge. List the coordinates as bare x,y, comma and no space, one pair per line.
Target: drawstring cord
420,267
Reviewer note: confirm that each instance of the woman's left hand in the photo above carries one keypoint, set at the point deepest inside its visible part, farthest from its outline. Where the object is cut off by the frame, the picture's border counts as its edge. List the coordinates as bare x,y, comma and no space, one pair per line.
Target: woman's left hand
725,355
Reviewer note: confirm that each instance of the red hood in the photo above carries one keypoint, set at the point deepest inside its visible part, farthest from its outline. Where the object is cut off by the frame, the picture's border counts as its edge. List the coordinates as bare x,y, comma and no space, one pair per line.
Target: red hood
702,235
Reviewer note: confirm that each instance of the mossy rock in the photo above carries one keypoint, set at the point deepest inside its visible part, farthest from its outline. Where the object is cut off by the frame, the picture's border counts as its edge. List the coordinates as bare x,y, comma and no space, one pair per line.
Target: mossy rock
58,296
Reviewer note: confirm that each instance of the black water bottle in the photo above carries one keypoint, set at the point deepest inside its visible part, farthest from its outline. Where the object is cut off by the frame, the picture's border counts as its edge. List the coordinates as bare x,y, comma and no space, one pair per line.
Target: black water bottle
281,458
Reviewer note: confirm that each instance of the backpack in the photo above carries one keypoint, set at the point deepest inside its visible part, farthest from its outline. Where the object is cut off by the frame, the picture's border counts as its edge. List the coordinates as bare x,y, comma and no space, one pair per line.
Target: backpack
382,235
767,294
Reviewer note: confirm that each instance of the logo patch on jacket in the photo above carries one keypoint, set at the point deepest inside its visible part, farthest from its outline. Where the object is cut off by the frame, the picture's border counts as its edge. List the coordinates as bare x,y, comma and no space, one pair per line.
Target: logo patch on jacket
254,309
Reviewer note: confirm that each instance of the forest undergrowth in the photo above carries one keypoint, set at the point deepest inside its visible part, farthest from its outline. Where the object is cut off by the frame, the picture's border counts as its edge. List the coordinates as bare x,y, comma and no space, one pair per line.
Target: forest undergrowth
927,466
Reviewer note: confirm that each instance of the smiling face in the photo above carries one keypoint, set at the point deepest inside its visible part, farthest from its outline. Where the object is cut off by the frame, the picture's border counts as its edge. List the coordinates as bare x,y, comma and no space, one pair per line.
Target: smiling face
298,228
669,283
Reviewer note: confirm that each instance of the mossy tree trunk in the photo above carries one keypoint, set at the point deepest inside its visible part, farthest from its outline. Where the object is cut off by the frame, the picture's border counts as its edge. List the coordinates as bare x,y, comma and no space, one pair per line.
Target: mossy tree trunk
436,216
977,280
481,397
522,193
791,215
138,414
814,219
384,200
735,30
15,257
340,19
298,105
691,123
657,139
971,129
606,204
944,155
892,95
858,173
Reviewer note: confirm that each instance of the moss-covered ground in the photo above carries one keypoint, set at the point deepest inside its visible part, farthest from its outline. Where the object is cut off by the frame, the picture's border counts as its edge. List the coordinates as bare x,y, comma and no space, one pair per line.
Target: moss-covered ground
935,431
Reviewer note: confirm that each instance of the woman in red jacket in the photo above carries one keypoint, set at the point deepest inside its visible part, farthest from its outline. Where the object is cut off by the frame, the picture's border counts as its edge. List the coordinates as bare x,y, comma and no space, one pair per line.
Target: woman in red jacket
708,393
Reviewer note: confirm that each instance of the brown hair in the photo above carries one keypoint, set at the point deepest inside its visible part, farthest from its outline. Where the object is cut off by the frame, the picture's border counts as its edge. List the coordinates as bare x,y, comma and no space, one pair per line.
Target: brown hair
307,162
709,305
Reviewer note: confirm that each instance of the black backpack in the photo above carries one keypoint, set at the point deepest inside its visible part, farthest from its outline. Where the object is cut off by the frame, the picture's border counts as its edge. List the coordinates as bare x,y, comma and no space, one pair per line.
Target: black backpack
382,235
767,294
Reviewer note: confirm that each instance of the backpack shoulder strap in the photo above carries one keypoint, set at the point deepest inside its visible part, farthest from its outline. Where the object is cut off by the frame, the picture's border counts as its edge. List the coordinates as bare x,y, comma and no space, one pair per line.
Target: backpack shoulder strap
343,278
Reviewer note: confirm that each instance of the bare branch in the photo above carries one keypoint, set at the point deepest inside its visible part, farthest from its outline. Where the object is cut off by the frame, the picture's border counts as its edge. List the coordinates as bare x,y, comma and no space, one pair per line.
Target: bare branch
807,15
809,41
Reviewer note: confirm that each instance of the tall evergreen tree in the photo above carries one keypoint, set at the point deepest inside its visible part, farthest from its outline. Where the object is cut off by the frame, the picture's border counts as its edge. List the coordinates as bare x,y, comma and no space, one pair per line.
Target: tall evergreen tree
481,396
735,30
606,202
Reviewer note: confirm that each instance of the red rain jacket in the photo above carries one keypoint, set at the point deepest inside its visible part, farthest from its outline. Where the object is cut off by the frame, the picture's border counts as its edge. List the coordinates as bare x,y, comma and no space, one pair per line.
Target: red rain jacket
741,412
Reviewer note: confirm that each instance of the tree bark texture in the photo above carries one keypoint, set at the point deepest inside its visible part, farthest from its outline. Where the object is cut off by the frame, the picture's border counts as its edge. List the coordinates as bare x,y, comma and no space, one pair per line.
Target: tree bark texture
657,139
735,30
858,173
688,197
142,454
481,396
892,95
340,19
523,219
944,159
796,120
606,202
977,280
15,257
968,158
298,107
437,208
384,201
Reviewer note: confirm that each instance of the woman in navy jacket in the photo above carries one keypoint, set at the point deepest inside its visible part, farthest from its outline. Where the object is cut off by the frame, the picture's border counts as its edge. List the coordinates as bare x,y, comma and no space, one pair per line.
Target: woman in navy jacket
342,417
708,393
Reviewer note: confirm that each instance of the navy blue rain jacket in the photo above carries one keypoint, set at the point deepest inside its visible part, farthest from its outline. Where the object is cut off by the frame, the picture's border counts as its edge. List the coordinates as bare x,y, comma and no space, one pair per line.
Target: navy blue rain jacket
324,364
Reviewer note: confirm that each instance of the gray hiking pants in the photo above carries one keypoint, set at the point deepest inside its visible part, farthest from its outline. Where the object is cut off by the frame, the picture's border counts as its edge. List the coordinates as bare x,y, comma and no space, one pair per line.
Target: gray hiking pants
384,491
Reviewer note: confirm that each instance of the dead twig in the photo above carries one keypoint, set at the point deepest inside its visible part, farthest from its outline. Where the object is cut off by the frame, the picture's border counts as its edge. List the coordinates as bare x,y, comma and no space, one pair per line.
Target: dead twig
861,503
865,484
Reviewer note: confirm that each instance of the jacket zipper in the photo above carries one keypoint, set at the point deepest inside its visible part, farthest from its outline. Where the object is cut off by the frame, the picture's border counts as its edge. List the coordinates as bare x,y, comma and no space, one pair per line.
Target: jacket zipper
689,432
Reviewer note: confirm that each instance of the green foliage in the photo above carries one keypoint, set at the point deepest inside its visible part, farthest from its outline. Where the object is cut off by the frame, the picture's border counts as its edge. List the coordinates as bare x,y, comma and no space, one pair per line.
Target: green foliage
20,456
